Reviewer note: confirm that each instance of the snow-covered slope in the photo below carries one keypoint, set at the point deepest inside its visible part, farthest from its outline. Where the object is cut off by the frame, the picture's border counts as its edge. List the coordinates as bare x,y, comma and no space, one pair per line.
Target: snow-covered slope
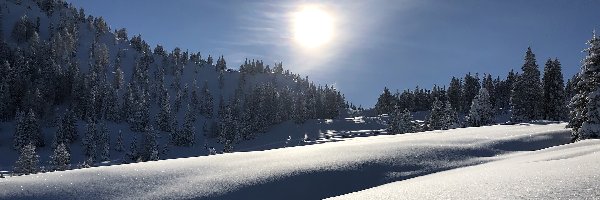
354,164
563,172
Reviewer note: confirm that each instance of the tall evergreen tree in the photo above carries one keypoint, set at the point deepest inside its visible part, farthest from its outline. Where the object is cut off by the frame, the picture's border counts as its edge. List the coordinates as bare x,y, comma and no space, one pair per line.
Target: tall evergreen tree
525,101
585,105
470,90
480,113
554,97
206,107
455,93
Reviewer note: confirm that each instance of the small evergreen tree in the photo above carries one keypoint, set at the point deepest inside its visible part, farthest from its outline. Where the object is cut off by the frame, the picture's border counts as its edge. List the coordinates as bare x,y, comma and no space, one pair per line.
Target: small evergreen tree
436,119
119,143
28,161
401,122
61,158
481,110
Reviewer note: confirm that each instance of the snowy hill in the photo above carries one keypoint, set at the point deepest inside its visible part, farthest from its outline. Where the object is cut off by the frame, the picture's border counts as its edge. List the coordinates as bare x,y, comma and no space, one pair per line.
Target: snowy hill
502,161
56,62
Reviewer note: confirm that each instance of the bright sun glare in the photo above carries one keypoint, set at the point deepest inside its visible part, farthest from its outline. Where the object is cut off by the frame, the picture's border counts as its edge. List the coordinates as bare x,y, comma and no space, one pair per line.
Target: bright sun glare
313,27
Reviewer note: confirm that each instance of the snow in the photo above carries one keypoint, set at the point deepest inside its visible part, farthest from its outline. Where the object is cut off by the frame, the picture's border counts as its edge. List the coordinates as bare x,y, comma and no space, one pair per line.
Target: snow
563,172
502,161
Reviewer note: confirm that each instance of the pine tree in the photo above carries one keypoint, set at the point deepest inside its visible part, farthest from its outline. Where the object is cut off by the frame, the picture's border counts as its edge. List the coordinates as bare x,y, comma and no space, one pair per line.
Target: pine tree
470,90
103,140
134,153
385,102
151,149
28,160
436,119
119,143
90,141
525,101
164,120
6,109
189,131
480,113
455,93
21,138
401,122
68,126
451,120
27,130
61,158
585,105
206,107
554,95
488,84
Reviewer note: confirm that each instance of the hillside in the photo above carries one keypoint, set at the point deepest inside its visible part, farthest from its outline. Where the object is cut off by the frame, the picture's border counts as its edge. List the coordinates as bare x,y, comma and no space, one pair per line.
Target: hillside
499,158
59,63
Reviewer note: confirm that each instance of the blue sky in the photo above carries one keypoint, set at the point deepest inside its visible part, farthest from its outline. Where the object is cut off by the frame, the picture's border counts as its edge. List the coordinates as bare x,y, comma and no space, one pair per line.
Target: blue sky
379,43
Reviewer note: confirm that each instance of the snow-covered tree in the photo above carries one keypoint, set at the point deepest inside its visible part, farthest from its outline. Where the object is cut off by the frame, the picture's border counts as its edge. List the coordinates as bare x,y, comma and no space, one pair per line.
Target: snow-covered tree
527,90
103,140
437,117
554,96
151,148
27,130
401,122
89,142
61,158
28,160
470,90
186,135
481,112
164,118
585,105
206,103
451,120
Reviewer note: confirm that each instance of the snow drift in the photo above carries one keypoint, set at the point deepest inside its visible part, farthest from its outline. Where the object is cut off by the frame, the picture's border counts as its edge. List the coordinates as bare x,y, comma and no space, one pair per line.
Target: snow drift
337,168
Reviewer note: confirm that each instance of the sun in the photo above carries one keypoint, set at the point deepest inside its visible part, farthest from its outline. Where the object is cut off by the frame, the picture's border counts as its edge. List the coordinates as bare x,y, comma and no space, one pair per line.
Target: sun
313,27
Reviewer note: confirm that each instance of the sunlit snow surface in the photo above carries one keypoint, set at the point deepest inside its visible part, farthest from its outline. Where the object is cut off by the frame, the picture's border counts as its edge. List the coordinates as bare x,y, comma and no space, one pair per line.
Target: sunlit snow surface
489,162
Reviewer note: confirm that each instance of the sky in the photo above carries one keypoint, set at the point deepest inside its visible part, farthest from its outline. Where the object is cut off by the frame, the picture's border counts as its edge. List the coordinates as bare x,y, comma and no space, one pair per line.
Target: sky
397,44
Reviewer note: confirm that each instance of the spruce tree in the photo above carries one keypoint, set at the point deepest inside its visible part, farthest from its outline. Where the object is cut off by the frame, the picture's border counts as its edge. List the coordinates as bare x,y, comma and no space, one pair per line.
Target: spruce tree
385,102
584,106
480,113
151,149
525,99
451,120
61,158
455,93
401,122
119,143
436,119
165,117
90,141
554,97
103,140
28,160
470,90
206,107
